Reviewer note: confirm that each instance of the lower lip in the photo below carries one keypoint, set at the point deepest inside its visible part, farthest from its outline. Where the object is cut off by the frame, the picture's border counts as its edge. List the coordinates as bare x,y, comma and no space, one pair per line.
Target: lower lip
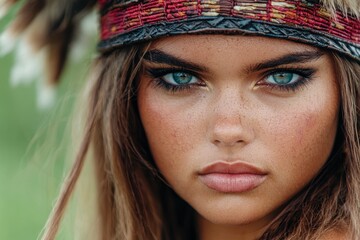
232,183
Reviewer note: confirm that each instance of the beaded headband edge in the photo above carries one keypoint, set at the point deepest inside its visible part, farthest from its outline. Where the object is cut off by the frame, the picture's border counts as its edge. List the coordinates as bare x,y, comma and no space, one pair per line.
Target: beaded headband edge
134,21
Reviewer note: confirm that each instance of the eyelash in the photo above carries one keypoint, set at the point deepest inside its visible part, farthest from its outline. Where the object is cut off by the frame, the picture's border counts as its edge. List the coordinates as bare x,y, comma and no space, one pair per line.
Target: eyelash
158,73
305,75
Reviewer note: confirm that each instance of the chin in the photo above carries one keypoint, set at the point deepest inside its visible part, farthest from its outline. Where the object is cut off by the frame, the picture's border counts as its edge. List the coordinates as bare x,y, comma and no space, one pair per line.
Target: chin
229,218
236,212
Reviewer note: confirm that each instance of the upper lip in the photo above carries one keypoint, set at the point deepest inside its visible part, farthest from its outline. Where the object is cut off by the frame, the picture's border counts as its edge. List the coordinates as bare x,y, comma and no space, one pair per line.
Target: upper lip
237,167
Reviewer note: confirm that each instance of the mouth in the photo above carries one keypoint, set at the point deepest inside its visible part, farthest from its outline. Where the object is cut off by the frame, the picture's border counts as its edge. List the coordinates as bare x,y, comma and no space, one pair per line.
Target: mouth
236,177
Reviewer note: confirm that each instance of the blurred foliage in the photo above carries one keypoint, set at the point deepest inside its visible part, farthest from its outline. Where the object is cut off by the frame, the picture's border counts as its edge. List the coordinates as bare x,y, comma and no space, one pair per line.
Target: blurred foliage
32,149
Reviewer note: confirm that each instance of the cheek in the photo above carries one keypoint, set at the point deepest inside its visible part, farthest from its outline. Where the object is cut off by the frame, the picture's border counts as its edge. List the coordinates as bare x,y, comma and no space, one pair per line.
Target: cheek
302,139
172,130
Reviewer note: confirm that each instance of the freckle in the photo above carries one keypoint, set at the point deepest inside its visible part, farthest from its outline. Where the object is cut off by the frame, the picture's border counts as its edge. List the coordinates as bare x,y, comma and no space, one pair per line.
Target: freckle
310,121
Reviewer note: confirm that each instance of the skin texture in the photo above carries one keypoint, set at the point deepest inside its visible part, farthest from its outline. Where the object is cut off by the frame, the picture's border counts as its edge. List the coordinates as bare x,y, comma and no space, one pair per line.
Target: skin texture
231,115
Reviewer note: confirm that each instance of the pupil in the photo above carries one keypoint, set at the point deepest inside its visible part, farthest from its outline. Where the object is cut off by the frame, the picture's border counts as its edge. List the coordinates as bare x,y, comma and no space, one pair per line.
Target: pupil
182,78
283,78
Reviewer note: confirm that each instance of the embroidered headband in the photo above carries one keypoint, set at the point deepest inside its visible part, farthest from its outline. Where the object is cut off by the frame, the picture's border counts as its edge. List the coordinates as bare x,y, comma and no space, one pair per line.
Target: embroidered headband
132,21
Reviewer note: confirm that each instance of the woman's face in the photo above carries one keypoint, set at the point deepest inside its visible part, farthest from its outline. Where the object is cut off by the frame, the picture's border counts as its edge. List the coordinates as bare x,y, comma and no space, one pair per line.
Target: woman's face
238,124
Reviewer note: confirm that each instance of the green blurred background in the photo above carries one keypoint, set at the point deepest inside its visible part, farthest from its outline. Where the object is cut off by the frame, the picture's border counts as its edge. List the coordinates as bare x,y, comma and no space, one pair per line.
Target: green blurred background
32,148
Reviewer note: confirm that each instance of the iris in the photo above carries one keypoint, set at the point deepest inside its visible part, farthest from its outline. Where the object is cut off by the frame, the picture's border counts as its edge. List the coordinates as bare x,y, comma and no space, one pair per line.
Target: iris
282,78
182,78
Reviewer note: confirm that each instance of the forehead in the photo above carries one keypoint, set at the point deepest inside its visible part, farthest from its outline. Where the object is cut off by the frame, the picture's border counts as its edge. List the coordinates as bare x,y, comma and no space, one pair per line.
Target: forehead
203,45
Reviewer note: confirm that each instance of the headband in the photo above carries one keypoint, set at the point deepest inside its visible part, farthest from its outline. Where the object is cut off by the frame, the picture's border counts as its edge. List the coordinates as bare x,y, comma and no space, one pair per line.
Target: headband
307,21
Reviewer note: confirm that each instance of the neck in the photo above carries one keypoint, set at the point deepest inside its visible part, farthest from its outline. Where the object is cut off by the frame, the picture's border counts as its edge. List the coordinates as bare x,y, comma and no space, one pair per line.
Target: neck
212,231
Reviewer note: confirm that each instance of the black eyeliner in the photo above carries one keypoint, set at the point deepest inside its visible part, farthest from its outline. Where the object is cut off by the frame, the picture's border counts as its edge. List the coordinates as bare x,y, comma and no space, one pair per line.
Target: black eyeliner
301,71
157,75
306,75
162,84
159,72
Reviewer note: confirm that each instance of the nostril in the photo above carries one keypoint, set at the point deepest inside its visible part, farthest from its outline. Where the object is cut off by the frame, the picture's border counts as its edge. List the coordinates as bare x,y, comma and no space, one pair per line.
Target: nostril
217,142
227,142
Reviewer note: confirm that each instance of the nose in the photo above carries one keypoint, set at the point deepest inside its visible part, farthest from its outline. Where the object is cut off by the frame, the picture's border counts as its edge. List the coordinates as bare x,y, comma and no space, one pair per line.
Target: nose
228,136
230,123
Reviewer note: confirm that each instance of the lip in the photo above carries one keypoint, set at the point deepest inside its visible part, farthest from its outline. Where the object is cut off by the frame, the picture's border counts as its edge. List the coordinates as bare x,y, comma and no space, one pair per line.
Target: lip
235,177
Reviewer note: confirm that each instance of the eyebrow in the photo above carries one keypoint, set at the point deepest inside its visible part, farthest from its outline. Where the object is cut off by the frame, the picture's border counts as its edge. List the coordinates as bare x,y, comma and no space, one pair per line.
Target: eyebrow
298,57
157,56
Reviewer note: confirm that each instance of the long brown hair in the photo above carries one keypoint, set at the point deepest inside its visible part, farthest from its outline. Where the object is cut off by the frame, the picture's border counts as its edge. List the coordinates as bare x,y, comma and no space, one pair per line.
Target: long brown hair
133,200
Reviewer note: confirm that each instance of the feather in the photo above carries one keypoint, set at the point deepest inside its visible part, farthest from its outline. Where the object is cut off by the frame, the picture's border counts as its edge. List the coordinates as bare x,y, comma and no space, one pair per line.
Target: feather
351,7
85,37
26,15
46,94
7,42
42,34
28,64
37,33
5,5
56,54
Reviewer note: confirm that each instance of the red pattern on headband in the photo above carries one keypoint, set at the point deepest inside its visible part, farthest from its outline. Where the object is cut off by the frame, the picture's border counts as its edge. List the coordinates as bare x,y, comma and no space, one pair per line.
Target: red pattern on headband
119,17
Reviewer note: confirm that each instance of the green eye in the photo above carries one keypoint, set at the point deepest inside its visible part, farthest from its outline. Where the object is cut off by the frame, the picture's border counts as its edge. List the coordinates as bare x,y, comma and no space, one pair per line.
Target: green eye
283,78
180,78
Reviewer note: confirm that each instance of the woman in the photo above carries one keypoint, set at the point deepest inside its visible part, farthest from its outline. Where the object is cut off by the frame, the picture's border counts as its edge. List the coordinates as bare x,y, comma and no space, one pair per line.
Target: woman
226,134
